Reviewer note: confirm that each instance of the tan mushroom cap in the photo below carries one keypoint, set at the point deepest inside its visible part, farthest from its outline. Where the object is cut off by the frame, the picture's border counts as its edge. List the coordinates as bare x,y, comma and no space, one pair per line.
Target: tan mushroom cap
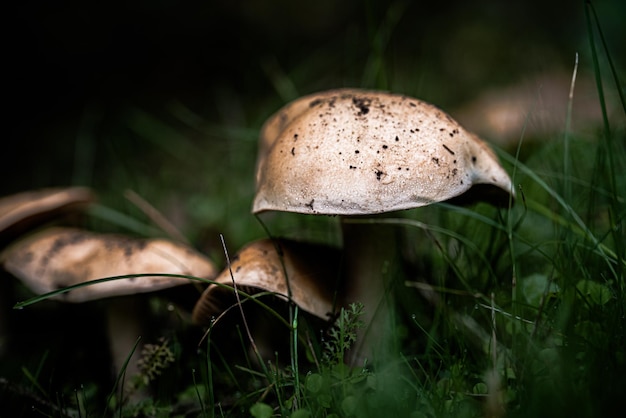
21,211
62,257
354,152
311,269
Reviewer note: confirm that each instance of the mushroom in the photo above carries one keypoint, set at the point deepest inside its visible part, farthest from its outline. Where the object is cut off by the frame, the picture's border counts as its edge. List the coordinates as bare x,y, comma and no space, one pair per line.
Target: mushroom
57,258
25,211
302,273
354,152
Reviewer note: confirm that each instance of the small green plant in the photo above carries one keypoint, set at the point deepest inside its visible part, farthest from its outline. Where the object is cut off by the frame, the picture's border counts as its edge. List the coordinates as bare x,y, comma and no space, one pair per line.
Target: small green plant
342,335
154,359
333,386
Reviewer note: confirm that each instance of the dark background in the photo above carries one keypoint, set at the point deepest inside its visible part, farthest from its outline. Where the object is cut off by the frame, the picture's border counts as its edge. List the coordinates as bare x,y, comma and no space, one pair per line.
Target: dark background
72,67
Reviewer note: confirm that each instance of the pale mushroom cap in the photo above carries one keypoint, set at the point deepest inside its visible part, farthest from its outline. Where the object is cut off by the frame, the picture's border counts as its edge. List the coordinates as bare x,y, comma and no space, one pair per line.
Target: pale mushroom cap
23,211
62,257
311,269
355,152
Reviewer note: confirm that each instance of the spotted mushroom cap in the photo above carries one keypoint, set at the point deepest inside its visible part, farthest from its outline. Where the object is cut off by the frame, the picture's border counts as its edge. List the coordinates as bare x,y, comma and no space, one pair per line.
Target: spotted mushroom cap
60,257
355,152
260,267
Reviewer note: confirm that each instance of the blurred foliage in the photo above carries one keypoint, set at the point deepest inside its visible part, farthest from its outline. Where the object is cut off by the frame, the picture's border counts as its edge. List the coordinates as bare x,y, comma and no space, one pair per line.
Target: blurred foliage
81,72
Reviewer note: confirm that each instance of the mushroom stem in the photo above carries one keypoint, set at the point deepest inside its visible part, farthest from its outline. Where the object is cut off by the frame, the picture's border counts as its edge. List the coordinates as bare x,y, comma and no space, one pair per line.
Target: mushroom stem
369,251
123,329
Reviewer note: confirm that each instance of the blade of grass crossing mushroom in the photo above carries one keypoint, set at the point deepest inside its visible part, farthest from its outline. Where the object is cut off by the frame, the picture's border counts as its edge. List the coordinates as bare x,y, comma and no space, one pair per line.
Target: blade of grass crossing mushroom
255,298
39,298
293,316
243,316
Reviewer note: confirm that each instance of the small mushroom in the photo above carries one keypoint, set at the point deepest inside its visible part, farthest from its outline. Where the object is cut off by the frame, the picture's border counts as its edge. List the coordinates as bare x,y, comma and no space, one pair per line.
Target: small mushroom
60,257
310,270
356,152
304,273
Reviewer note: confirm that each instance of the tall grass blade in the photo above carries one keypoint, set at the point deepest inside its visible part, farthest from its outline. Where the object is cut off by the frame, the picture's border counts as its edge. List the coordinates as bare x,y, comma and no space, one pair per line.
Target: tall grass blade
374,74
566,206
119,382
615,209
567,187
618,85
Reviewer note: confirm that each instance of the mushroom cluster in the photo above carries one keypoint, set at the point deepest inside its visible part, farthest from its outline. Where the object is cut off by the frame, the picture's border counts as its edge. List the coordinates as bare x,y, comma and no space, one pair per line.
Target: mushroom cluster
348,152
51,258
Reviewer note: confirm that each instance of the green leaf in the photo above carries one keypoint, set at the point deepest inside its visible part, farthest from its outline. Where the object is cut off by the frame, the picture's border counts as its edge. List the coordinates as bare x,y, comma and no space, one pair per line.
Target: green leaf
349,404
480,388
593,292
261,410
301,413
314,382
535,286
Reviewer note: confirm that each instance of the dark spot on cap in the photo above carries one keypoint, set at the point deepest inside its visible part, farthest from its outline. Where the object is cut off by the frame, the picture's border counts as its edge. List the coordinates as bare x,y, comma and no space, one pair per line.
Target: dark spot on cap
293,151
397,139
379,174
295,137
448,149
356,151
473,158
435,160
363,104
385,147
310,204
27,257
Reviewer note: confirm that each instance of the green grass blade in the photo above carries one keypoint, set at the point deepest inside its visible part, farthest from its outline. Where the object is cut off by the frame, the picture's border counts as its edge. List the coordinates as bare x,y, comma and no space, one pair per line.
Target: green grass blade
618,85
